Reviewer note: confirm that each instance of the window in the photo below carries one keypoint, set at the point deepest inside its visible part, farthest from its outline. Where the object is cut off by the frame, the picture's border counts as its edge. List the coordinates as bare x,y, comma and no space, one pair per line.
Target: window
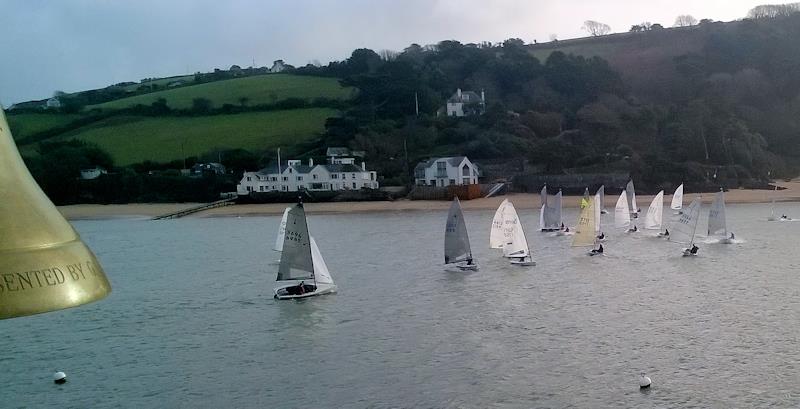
249,188
290,170
353,175
285,188
354,185
433,182
465,181
441,169
299,178
344,176
285,178
274,178
465,171
261,188
314,176
334,176
452,181
249,178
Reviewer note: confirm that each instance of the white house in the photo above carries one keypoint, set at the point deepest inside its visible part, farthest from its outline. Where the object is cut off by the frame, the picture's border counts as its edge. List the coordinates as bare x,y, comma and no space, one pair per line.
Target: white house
93,173
278,66
295,176
456,170
52,103
466,103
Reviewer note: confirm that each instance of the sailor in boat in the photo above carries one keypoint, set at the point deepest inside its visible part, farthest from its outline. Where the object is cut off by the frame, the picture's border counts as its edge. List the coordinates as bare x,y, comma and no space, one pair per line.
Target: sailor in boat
562,225
732,236
692,251
469,261
598,250
601,236
633,229
566,230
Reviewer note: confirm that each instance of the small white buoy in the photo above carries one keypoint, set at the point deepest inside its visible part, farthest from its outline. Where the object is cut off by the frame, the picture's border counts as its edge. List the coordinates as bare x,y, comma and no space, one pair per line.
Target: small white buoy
644,381
59,377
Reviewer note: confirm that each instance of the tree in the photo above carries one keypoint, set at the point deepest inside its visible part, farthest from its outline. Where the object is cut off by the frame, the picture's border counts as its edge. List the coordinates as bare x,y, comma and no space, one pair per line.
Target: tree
773,10
656,26
596,28
201,105
685,20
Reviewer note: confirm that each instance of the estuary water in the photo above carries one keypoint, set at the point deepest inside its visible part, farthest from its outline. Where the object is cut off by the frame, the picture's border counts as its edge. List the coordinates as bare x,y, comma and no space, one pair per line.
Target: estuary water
192,323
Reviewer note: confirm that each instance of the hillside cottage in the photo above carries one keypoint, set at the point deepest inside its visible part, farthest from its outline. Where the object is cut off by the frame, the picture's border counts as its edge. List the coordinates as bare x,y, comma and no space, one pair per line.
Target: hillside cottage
52,103
466,103
456,170
343,174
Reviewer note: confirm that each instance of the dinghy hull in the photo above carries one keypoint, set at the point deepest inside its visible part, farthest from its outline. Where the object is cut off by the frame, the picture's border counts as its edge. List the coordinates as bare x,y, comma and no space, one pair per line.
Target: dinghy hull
283,293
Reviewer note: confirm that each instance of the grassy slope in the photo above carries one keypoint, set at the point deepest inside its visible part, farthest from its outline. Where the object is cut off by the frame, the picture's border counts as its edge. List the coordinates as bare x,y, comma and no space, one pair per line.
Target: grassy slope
135,139
260,89
23,125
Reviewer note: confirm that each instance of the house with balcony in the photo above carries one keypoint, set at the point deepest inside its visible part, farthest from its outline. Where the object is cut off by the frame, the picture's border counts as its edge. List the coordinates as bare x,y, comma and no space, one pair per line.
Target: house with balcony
454,170
295,176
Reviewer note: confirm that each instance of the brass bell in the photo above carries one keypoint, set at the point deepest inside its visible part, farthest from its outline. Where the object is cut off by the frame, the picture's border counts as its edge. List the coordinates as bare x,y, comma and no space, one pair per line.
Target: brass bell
44,265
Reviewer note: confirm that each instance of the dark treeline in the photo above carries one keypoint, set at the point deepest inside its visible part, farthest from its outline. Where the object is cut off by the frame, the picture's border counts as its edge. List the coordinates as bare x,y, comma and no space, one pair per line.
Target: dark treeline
731,119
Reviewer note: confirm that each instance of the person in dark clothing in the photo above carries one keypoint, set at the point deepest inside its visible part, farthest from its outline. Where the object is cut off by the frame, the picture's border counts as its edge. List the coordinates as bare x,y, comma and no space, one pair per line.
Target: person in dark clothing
694,249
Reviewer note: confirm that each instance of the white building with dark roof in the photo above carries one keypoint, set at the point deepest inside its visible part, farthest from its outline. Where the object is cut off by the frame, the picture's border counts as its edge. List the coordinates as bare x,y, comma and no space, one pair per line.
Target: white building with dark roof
466,103
295,176
454,170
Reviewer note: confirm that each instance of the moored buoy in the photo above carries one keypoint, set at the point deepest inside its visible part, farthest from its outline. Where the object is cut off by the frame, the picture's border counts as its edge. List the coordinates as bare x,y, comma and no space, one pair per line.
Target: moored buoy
59,378
644,381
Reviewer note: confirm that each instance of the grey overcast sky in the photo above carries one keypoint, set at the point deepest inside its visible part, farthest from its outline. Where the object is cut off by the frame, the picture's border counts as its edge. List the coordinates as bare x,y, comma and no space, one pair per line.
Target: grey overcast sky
74,45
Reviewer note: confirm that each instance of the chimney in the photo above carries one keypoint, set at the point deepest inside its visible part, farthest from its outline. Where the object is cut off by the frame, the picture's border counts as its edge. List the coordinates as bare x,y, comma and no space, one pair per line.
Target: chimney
483,97
363,166
458,92
311,162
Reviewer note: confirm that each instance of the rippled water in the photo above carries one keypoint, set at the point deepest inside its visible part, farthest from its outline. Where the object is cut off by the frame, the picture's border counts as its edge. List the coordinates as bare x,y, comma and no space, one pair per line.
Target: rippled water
192,323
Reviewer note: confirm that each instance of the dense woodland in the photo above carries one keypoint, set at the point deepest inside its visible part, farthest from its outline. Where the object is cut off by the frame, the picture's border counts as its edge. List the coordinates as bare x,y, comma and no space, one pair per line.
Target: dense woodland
729,114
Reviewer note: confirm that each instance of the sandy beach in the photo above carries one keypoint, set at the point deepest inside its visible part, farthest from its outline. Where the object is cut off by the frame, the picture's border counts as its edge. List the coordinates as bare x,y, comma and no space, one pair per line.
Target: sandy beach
791,193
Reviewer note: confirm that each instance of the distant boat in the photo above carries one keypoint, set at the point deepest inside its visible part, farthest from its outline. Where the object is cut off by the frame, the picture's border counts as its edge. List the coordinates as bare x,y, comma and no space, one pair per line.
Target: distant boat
771,217
631,195
496,234
684,230
281,231
598,228
516,248
585,198
601,192
456,240
677,200
585,229
717,219
622,214
301,261
653,218
550,212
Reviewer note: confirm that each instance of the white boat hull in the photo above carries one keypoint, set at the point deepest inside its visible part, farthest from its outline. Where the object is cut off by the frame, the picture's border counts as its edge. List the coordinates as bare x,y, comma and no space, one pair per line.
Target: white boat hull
687,253
281,293
523,263
726,241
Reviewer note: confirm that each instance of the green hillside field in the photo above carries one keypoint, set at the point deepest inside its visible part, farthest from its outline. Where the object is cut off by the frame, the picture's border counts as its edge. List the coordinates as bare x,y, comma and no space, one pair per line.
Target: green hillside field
24,125
131,139
259,89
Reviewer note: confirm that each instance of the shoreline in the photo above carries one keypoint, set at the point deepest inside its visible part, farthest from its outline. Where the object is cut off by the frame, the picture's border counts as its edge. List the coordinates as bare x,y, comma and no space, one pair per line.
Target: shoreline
526,201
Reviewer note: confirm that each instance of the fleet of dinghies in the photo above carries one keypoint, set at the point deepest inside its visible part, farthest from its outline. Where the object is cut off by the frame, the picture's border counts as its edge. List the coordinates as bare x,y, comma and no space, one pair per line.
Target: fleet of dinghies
303,273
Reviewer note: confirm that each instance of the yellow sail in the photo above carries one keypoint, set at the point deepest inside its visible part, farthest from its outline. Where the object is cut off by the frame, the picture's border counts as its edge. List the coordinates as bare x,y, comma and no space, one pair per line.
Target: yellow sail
584,203
585,232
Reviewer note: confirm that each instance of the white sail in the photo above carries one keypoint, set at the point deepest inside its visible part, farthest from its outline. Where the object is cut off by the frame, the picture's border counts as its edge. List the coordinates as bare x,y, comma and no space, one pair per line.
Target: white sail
602,193
677,198
772,209
281,230
496,239
717,225
456,240
653,218
559,219
321,273
684,229
585,229
631,194
597,205
622,214
541,218
550,218
517,245
296,263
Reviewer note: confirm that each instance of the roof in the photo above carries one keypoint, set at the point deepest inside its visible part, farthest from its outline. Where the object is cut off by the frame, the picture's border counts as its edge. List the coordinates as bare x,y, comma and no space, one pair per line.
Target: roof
468,97
342,168
337,151
452,160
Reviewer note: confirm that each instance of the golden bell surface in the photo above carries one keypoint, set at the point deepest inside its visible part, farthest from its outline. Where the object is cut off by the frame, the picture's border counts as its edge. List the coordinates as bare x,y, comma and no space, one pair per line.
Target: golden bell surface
44,265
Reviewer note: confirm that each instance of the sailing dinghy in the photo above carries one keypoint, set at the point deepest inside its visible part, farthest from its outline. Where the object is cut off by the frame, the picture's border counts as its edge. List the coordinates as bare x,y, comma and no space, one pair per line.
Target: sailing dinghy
677,200
631,195
516,248
717,219
598,229
585,230
602,203
301,261
456,240
281,231
550,213
653,218
684,230
497,235
622,214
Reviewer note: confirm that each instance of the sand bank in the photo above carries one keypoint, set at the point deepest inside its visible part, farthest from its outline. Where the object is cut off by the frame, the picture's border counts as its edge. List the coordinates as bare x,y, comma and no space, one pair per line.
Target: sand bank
521,201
